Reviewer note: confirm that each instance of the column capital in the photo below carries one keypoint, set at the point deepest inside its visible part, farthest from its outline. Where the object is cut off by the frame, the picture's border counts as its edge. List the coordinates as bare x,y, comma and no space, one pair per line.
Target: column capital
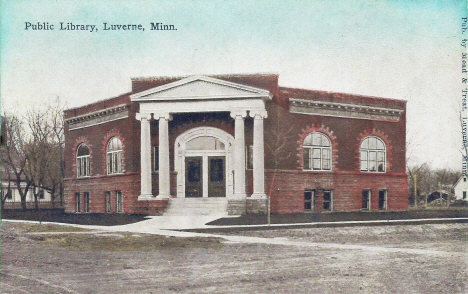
162,115
143,116
238,113
258,114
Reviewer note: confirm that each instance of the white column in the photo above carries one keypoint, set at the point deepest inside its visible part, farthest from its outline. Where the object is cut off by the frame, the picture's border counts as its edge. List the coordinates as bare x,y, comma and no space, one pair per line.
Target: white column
164,172
258,154
145,157
239,154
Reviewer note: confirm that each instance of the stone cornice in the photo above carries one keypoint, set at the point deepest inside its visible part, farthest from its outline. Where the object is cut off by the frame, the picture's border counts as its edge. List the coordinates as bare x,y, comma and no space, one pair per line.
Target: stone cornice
98,117
344,110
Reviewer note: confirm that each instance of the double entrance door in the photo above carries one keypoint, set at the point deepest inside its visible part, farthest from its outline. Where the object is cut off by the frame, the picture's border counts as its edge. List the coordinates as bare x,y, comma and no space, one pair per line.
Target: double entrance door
205,176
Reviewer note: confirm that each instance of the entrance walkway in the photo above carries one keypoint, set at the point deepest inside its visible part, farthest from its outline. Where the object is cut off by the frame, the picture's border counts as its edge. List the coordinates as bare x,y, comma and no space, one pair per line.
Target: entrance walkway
155,226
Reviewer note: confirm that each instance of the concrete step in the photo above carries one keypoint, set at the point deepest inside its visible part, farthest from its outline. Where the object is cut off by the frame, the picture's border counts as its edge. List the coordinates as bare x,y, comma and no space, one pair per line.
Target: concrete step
197,206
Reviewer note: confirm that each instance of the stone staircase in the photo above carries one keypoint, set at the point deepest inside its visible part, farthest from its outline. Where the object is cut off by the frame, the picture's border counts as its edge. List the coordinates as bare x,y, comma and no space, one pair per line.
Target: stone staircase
197,206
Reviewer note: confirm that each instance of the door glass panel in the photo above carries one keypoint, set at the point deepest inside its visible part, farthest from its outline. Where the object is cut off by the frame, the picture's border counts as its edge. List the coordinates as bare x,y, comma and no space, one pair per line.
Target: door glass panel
216,170
194,171
217,178
193,177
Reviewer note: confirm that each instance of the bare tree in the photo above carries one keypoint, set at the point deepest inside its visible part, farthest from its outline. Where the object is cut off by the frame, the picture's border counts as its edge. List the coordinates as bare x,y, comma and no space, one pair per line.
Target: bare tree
34,154
6,175
14,154
278,139
45,150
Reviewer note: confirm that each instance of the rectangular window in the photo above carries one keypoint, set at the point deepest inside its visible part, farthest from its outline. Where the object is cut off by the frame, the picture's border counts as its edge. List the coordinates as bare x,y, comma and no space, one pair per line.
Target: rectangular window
249,157
155,158
114,162
464,194
326,159
372,161
366,197
364,160
316,158
380,161
108,201
306,157
77,202
119,201
328,200
383,199
109,163
309,200
83,168
86,202
41,194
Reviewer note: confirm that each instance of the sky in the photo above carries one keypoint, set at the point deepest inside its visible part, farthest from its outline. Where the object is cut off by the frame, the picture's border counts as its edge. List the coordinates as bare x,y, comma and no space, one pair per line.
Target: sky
403,49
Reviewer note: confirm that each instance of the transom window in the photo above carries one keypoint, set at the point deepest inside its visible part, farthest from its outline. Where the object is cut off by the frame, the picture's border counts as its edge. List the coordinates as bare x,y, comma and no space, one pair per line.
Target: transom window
205,143
82,161
317,152
373,155
114,156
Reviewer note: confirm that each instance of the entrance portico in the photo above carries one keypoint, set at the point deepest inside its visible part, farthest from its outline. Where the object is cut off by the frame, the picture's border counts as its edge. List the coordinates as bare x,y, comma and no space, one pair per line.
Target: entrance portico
212,172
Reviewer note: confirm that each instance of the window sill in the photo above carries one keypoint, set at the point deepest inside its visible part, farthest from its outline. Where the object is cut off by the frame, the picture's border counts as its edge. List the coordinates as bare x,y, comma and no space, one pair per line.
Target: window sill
116,174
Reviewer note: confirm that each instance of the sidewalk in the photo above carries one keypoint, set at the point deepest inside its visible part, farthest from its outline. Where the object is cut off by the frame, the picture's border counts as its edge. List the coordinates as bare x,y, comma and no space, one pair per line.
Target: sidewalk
189,226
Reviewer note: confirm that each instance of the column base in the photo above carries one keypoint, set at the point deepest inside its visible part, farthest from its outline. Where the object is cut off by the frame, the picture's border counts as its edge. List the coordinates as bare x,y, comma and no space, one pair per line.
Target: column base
256,205
163,196
237,206
238,196
258,196
145,197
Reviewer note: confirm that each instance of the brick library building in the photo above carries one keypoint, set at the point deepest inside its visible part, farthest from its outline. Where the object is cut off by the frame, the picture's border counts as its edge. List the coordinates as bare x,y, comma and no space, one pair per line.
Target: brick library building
225,144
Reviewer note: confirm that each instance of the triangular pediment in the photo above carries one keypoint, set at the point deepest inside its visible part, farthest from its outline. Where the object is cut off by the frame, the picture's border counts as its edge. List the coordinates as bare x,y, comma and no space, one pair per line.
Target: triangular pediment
200,87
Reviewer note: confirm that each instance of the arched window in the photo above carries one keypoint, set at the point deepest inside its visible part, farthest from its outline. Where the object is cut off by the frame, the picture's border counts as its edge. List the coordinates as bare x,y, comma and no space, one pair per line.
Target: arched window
373,155
82,161
317,152
114,156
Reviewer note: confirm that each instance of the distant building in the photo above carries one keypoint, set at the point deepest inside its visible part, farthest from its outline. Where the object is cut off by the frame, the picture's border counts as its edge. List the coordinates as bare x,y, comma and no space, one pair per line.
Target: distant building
11,195
223,143
460,188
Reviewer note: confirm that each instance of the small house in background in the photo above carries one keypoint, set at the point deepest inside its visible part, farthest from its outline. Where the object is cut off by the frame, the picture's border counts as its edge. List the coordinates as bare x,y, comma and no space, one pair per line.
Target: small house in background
12,198
460,188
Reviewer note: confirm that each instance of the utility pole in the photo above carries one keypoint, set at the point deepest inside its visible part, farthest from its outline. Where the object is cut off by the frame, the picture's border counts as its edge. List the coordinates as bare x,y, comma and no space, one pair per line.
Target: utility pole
415,185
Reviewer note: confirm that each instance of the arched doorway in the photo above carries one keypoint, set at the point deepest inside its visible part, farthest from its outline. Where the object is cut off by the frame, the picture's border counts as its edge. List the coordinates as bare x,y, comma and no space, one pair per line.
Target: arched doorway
203,162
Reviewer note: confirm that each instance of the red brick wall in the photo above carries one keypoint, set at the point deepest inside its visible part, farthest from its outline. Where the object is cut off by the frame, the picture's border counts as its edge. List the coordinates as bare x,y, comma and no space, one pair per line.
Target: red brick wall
347,189
97,137
345,134
128,184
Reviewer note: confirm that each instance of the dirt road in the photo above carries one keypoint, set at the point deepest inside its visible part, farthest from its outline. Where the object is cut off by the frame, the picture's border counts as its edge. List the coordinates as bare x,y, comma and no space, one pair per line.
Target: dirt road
283,261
